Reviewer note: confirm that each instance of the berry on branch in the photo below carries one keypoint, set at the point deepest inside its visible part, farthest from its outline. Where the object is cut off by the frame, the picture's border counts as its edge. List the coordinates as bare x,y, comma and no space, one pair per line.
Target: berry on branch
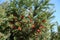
44,20
19,28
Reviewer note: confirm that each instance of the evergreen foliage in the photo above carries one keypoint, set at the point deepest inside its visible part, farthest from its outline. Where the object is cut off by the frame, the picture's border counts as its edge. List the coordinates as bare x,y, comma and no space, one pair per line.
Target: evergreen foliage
26,20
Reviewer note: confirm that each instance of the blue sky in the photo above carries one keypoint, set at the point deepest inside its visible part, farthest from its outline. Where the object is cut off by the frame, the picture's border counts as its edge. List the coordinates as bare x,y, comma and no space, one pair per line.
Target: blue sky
57,8
57,13
1,1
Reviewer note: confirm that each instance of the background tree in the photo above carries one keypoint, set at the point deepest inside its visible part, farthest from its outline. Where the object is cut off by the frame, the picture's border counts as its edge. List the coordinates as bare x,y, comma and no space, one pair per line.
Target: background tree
58,32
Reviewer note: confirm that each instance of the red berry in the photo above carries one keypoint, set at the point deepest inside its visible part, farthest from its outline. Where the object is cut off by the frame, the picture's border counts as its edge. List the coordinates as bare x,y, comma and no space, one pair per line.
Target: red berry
43,20
30,20
14,27
28,16
33,26
41,26
19,28
38,30
22,17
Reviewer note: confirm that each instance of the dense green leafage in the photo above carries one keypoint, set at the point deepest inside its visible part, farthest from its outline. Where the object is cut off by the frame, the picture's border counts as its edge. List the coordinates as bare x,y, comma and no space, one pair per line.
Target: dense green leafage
26,20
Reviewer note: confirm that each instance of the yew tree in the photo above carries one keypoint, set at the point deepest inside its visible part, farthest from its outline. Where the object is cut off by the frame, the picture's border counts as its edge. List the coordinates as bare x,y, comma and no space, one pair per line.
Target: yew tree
27,20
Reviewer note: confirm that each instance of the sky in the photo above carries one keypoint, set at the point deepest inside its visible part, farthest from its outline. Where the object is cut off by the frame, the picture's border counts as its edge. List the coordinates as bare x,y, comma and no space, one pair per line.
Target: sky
57,8
56,14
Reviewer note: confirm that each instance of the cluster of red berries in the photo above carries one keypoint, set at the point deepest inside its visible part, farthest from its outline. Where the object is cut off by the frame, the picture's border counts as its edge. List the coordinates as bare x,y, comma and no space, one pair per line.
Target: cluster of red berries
33,26
19,28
